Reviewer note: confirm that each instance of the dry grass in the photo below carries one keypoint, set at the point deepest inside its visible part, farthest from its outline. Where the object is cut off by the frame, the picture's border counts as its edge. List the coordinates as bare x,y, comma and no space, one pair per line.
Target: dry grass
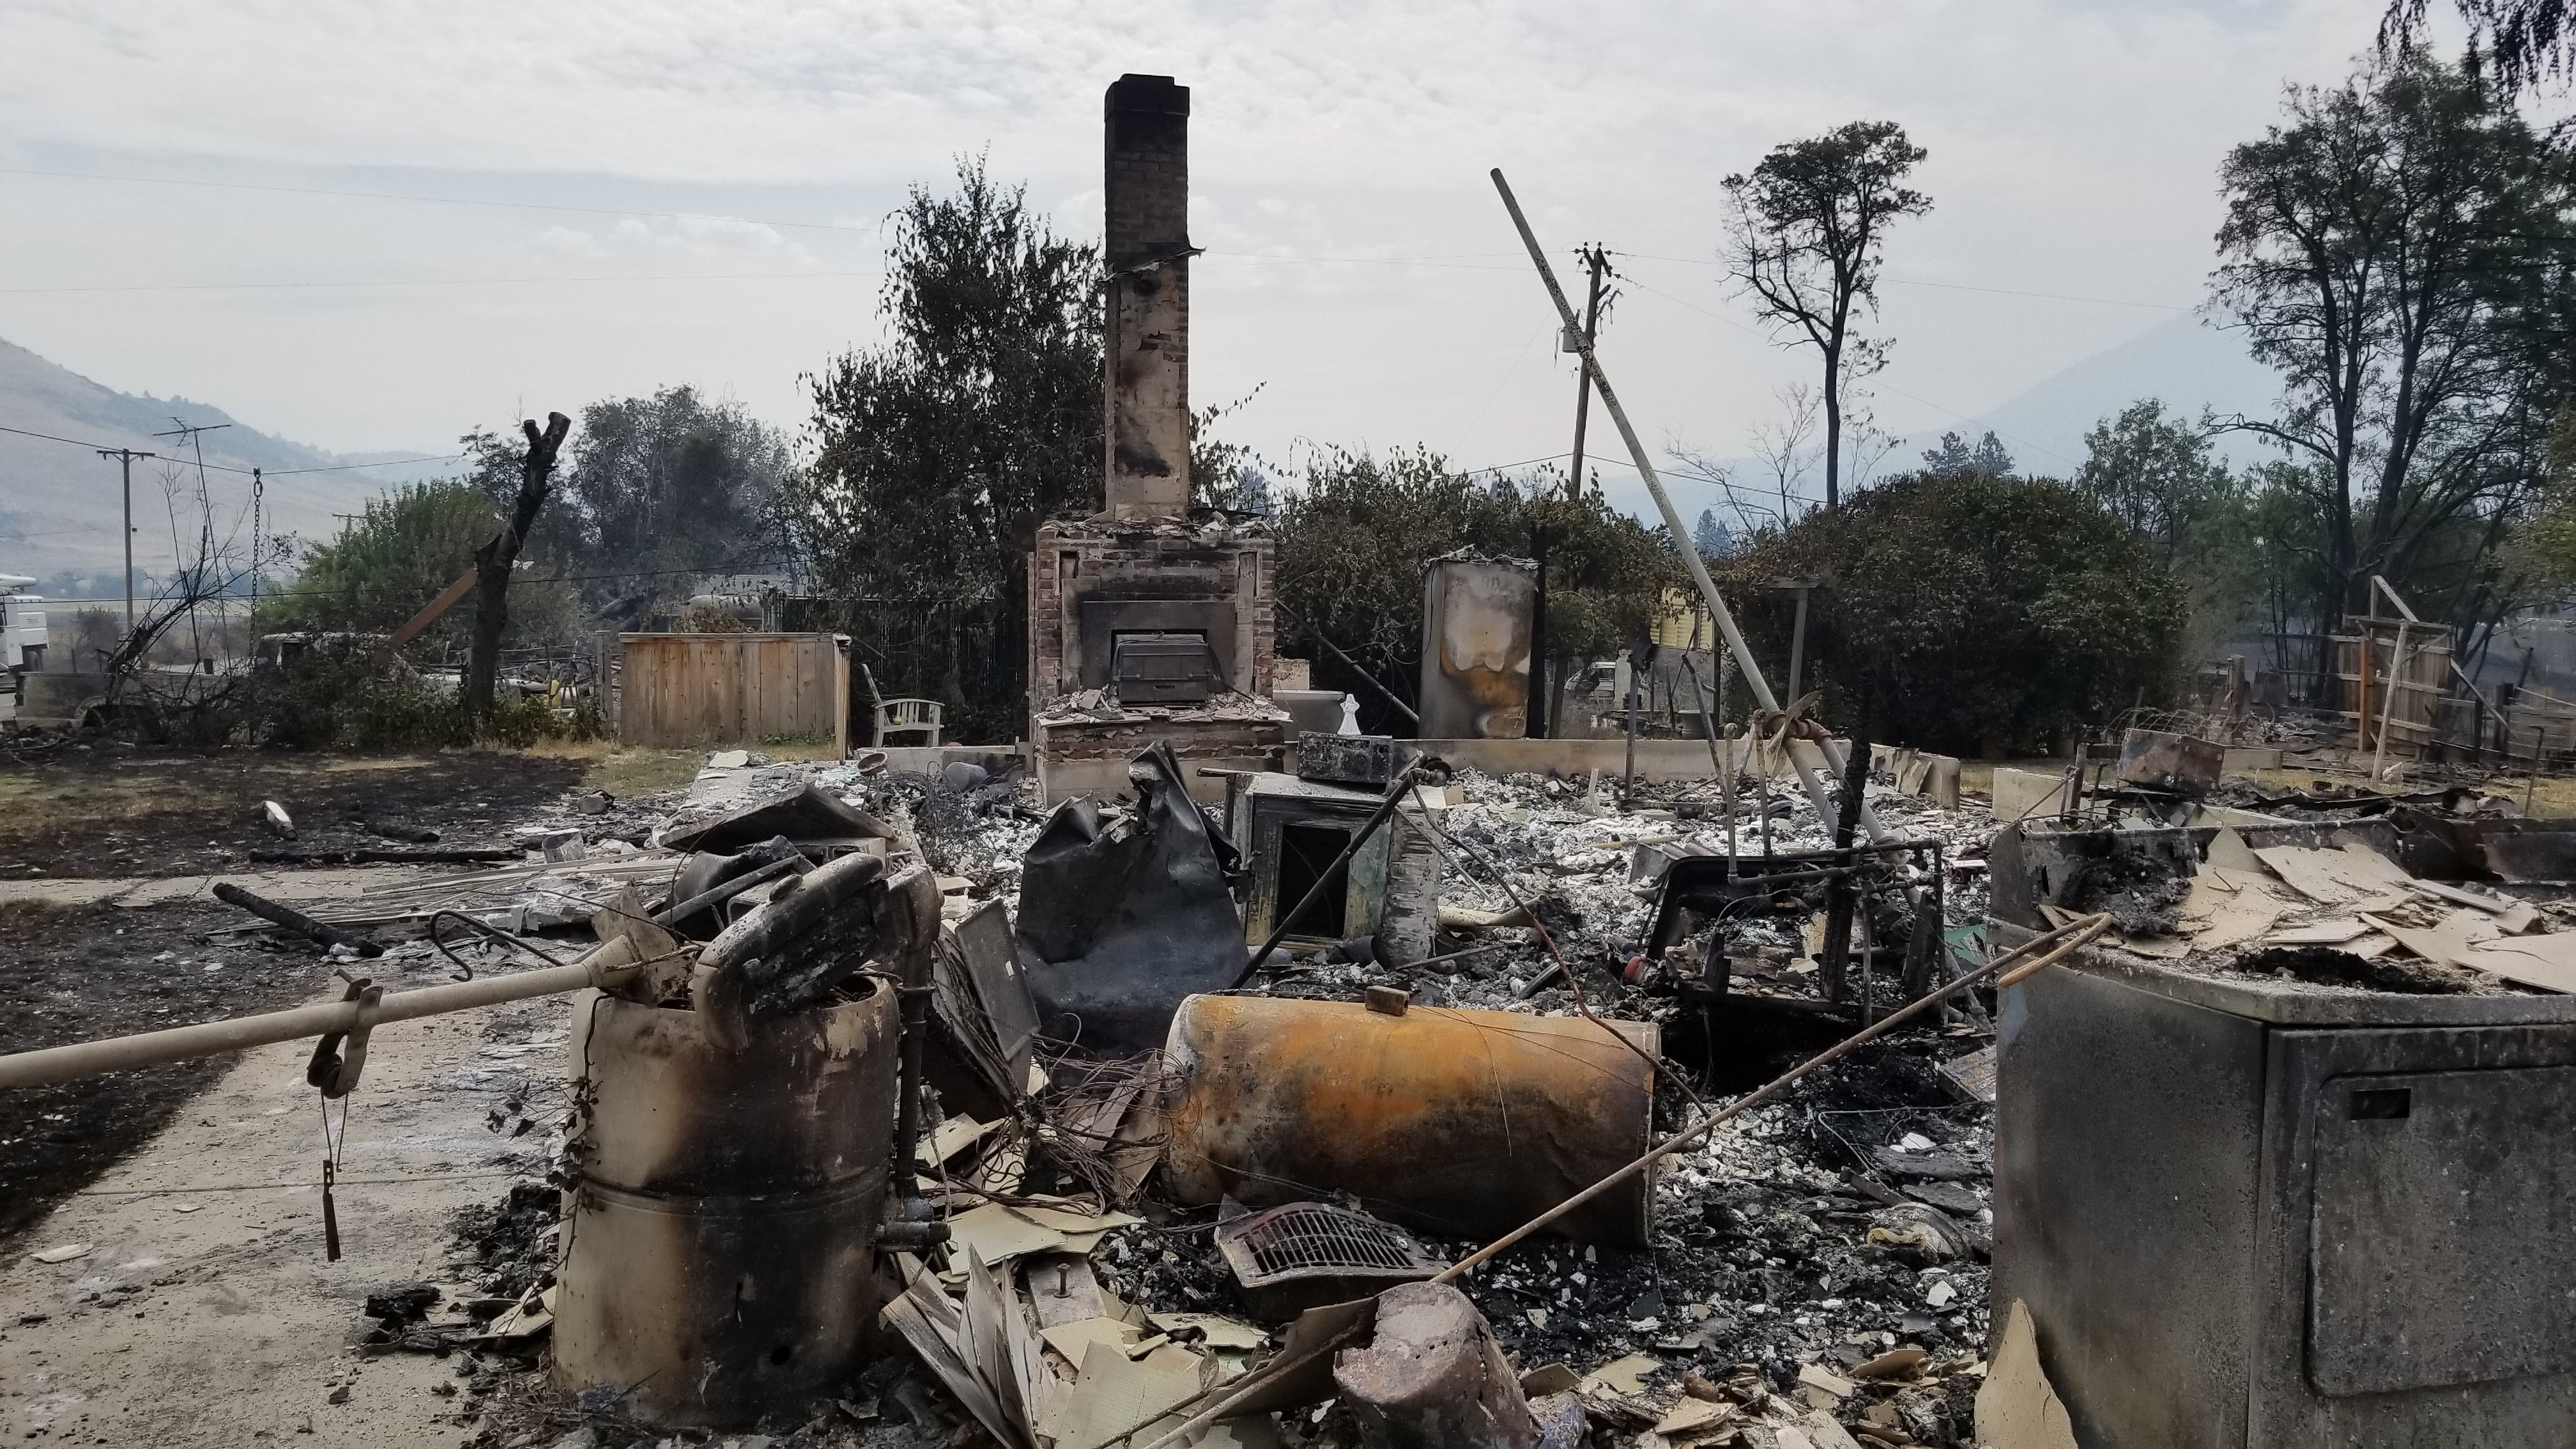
623,770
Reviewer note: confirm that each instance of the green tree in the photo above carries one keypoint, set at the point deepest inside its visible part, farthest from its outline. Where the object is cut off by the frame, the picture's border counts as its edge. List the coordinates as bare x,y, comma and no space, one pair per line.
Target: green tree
2154,472
667,487
2528,43
1971,614
1804,238
1711,537
936,455
2398,250
1953,457
388,562
1356,536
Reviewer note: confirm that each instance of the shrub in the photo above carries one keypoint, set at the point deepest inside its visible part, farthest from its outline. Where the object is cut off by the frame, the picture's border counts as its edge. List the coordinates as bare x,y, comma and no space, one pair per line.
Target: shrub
1970,614
338,694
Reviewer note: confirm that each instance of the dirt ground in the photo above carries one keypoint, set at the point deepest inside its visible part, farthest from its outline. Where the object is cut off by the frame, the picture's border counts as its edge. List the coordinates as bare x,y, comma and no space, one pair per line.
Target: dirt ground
104,811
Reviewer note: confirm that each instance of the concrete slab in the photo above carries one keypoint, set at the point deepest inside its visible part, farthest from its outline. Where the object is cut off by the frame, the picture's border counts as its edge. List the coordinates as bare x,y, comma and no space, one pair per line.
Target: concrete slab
293,887
225,1325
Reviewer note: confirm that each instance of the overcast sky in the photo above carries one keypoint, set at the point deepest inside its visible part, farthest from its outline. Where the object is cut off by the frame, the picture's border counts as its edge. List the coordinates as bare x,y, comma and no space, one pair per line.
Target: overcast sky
1359,267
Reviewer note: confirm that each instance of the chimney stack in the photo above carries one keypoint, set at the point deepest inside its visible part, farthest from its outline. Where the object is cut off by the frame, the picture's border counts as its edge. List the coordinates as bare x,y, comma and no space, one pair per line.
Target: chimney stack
1146,248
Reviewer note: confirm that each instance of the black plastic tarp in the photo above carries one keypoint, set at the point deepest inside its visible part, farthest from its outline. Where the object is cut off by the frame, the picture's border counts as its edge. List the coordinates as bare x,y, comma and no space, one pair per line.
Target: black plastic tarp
1122,917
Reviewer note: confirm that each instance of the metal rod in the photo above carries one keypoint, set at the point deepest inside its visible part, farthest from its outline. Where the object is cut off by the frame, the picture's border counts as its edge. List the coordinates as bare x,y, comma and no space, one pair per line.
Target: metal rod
2388,703
1385,808
1456,955
2064,939
673,915
1259,1383
1645,465
214,1038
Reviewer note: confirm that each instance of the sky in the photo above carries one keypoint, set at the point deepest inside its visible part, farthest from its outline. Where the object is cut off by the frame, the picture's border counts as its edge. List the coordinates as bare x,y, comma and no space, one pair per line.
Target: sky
371,227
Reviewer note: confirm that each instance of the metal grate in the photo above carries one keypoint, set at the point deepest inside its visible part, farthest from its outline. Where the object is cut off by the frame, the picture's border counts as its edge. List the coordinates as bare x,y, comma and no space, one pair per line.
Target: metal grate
1306,1238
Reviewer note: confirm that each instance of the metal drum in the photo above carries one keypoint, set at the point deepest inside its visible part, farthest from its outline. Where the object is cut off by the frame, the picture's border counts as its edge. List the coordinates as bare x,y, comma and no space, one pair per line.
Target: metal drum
717,1242
1461,1123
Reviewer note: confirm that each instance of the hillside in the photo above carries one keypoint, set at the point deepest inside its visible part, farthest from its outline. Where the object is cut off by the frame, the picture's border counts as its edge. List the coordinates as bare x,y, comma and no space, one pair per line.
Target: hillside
59,502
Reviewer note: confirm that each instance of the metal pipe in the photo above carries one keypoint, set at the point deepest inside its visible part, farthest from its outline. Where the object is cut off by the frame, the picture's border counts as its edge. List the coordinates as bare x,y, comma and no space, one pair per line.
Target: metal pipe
673,915
2388,700
49,1065
1352,665
1645,465
1385,808
1456,955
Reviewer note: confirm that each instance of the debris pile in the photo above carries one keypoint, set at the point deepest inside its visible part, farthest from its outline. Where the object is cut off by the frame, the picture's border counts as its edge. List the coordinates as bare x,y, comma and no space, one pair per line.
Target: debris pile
1154,1177
2326,905
1819,1261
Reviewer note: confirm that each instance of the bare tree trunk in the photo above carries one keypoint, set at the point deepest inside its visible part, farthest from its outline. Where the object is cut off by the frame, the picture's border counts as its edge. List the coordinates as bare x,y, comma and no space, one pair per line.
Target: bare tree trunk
1833,431
494,561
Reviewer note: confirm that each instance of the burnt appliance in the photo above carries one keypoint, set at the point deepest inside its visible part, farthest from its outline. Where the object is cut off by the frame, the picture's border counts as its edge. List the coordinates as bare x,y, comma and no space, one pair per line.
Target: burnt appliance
1290,832
2253,1209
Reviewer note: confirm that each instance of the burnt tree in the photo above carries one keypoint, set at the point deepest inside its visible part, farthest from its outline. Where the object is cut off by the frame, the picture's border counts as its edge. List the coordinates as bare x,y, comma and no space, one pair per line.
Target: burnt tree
494,561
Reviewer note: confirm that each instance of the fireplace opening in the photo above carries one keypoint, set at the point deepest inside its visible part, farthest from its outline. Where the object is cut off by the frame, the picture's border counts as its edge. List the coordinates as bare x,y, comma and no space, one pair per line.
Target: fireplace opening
1306,850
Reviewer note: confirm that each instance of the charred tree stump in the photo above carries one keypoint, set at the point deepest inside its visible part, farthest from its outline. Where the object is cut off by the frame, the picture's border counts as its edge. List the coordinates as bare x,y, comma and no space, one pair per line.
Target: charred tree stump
494,561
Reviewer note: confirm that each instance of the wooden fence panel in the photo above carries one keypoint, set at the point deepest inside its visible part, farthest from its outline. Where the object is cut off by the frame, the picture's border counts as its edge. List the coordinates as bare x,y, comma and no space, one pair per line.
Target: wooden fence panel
733,689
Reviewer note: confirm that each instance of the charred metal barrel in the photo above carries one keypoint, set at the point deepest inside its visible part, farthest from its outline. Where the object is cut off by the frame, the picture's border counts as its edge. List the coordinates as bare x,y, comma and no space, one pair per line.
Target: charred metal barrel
1462,1123
717,1245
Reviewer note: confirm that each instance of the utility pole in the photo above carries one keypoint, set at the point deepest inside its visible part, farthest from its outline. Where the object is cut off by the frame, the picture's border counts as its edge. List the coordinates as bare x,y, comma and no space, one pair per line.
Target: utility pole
1542,697
126,457
1598,261
187,433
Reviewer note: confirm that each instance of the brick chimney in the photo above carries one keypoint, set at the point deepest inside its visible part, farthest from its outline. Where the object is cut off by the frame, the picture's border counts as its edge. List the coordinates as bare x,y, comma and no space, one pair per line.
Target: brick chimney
1147,333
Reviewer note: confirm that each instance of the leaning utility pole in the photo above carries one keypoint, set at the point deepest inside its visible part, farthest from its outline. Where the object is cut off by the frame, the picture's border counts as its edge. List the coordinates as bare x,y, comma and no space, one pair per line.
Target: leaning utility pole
126,456
494,561
1808,777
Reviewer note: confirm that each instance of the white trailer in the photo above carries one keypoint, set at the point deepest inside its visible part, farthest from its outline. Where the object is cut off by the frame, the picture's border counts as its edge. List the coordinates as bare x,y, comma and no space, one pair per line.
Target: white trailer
22,638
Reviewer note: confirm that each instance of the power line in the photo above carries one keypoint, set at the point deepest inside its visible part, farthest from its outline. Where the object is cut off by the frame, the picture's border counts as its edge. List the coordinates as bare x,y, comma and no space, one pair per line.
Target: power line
704,572
424,282
1891,387
430,200
1946,286
246,472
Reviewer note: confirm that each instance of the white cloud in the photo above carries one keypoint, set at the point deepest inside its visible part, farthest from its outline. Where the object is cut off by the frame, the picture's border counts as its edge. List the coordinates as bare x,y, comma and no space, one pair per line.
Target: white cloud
2073,148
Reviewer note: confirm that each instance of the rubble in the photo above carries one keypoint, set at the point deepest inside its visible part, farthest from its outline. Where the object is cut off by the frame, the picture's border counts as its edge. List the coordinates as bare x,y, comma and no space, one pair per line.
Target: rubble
1816,1266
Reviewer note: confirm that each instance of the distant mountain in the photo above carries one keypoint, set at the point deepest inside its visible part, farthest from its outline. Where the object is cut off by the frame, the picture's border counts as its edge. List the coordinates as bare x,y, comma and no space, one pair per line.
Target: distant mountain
2185,363
60,505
